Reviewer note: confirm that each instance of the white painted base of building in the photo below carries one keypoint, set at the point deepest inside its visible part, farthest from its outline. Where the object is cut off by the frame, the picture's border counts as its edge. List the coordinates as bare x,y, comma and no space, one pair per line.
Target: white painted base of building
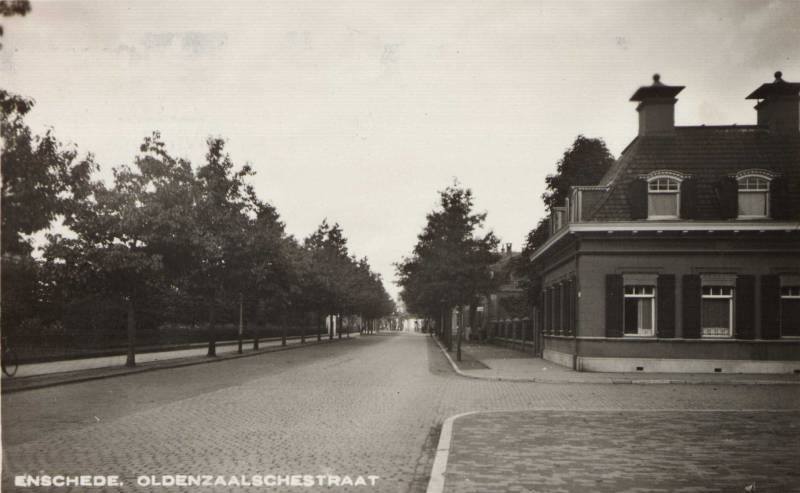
559,358
668,365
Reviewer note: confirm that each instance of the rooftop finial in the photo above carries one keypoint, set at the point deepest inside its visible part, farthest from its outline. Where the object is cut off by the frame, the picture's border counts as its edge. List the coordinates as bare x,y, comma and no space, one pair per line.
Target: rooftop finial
778,76
656,79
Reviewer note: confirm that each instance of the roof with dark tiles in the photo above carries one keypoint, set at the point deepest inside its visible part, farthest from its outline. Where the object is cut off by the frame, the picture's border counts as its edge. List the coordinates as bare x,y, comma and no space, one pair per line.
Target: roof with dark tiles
706,153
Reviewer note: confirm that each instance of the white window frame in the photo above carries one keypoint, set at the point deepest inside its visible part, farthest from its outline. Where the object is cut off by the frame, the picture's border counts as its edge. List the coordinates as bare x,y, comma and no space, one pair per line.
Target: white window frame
677,192
788,293
745,178
718,295
639,291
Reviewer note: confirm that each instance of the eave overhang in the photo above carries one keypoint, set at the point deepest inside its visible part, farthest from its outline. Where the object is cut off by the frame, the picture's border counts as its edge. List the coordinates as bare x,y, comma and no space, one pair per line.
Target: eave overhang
683,227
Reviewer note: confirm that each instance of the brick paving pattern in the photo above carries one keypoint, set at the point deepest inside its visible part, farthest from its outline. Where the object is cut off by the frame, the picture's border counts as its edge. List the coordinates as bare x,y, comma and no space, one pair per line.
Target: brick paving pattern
371,405
672,451
492,361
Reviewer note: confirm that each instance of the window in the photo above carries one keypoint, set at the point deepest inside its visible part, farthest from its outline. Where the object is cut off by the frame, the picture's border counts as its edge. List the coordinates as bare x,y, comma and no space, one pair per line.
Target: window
753,196
663,198
790,311
717,311
640,314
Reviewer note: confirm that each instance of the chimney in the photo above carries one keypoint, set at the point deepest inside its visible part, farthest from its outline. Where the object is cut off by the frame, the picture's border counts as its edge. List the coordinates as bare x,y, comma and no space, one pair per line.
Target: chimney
656,108
779,105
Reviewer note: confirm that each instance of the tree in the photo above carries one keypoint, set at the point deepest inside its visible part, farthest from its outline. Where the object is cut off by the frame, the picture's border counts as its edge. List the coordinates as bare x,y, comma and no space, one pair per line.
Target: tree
585,162
10,8
272,271
224,208
42,180
130,236
449,265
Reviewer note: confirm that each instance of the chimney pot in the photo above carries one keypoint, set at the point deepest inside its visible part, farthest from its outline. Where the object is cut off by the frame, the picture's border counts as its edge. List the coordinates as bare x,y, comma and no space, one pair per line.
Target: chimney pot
656,107
779,105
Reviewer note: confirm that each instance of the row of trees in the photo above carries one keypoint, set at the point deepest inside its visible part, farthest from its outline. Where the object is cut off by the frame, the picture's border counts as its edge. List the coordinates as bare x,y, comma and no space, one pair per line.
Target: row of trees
163,230
450,264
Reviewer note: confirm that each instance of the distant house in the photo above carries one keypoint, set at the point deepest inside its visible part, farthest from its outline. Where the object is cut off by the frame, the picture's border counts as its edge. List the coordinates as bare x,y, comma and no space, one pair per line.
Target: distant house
685,256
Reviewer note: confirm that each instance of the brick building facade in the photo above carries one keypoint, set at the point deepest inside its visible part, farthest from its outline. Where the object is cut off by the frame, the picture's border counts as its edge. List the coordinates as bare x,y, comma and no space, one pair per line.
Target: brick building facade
685,256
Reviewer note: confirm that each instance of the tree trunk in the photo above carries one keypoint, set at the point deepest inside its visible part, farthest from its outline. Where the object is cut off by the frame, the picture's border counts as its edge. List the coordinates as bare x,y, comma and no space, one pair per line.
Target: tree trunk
339,326
241,321
330,329
131,358
262,320
459,337
448,329
320,326
212,329
284,327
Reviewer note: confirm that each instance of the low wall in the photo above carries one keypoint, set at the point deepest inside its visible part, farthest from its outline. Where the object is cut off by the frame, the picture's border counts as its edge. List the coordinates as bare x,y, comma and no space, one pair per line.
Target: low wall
674,355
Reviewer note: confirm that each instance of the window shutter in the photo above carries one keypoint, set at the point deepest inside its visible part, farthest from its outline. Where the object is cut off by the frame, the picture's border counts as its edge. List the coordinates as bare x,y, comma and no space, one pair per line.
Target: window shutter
637,198
692,298
665,296
688,198
779,203
614,305
727,190
770,307
745,313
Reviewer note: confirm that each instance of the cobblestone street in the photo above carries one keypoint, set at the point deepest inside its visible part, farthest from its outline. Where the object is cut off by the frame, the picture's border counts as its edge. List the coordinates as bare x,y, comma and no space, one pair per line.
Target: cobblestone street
366,406
612,451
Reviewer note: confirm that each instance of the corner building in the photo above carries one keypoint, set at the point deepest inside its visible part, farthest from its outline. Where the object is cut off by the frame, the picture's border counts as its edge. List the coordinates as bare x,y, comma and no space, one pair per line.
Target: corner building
685,257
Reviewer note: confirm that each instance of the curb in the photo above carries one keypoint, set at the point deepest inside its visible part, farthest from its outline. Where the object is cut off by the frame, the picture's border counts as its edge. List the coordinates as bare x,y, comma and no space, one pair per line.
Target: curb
436,483
121,371
612,381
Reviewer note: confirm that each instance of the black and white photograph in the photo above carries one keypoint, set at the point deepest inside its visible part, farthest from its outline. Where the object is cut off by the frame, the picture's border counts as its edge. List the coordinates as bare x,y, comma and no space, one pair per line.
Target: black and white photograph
401,246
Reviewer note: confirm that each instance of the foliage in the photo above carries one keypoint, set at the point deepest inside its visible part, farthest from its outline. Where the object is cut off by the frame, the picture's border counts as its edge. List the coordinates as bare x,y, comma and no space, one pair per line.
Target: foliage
9,8
42,179
450,263
585,162
160,241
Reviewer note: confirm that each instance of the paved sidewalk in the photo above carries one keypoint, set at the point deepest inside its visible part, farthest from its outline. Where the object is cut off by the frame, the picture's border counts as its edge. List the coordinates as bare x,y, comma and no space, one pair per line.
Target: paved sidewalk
615,451
73,371
499,363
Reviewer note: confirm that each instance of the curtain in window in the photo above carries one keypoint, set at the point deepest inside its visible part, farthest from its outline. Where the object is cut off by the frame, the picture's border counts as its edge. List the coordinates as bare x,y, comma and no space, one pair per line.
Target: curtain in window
752,204
662,204
716,315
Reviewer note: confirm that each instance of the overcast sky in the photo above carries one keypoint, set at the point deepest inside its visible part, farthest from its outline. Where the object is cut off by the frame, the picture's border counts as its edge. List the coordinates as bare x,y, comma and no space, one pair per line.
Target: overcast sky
361,111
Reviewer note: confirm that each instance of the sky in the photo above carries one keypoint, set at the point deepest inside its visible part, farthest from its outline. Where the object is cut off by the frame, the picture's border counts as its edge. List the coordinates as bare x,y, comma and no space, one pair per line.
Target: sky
361,111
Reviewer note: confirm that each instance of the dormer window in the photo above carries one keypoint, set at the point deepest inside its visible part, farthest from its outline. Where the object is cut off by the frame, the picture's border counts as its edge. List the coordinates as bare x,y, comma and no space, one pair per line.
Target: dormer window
753,196
663,197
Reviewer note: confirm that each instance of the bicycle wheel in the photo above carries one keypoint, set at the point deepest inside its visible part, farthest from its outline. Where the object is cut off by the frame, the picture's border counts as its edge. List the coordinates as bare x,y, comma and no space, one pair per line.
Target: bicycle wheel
9,363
